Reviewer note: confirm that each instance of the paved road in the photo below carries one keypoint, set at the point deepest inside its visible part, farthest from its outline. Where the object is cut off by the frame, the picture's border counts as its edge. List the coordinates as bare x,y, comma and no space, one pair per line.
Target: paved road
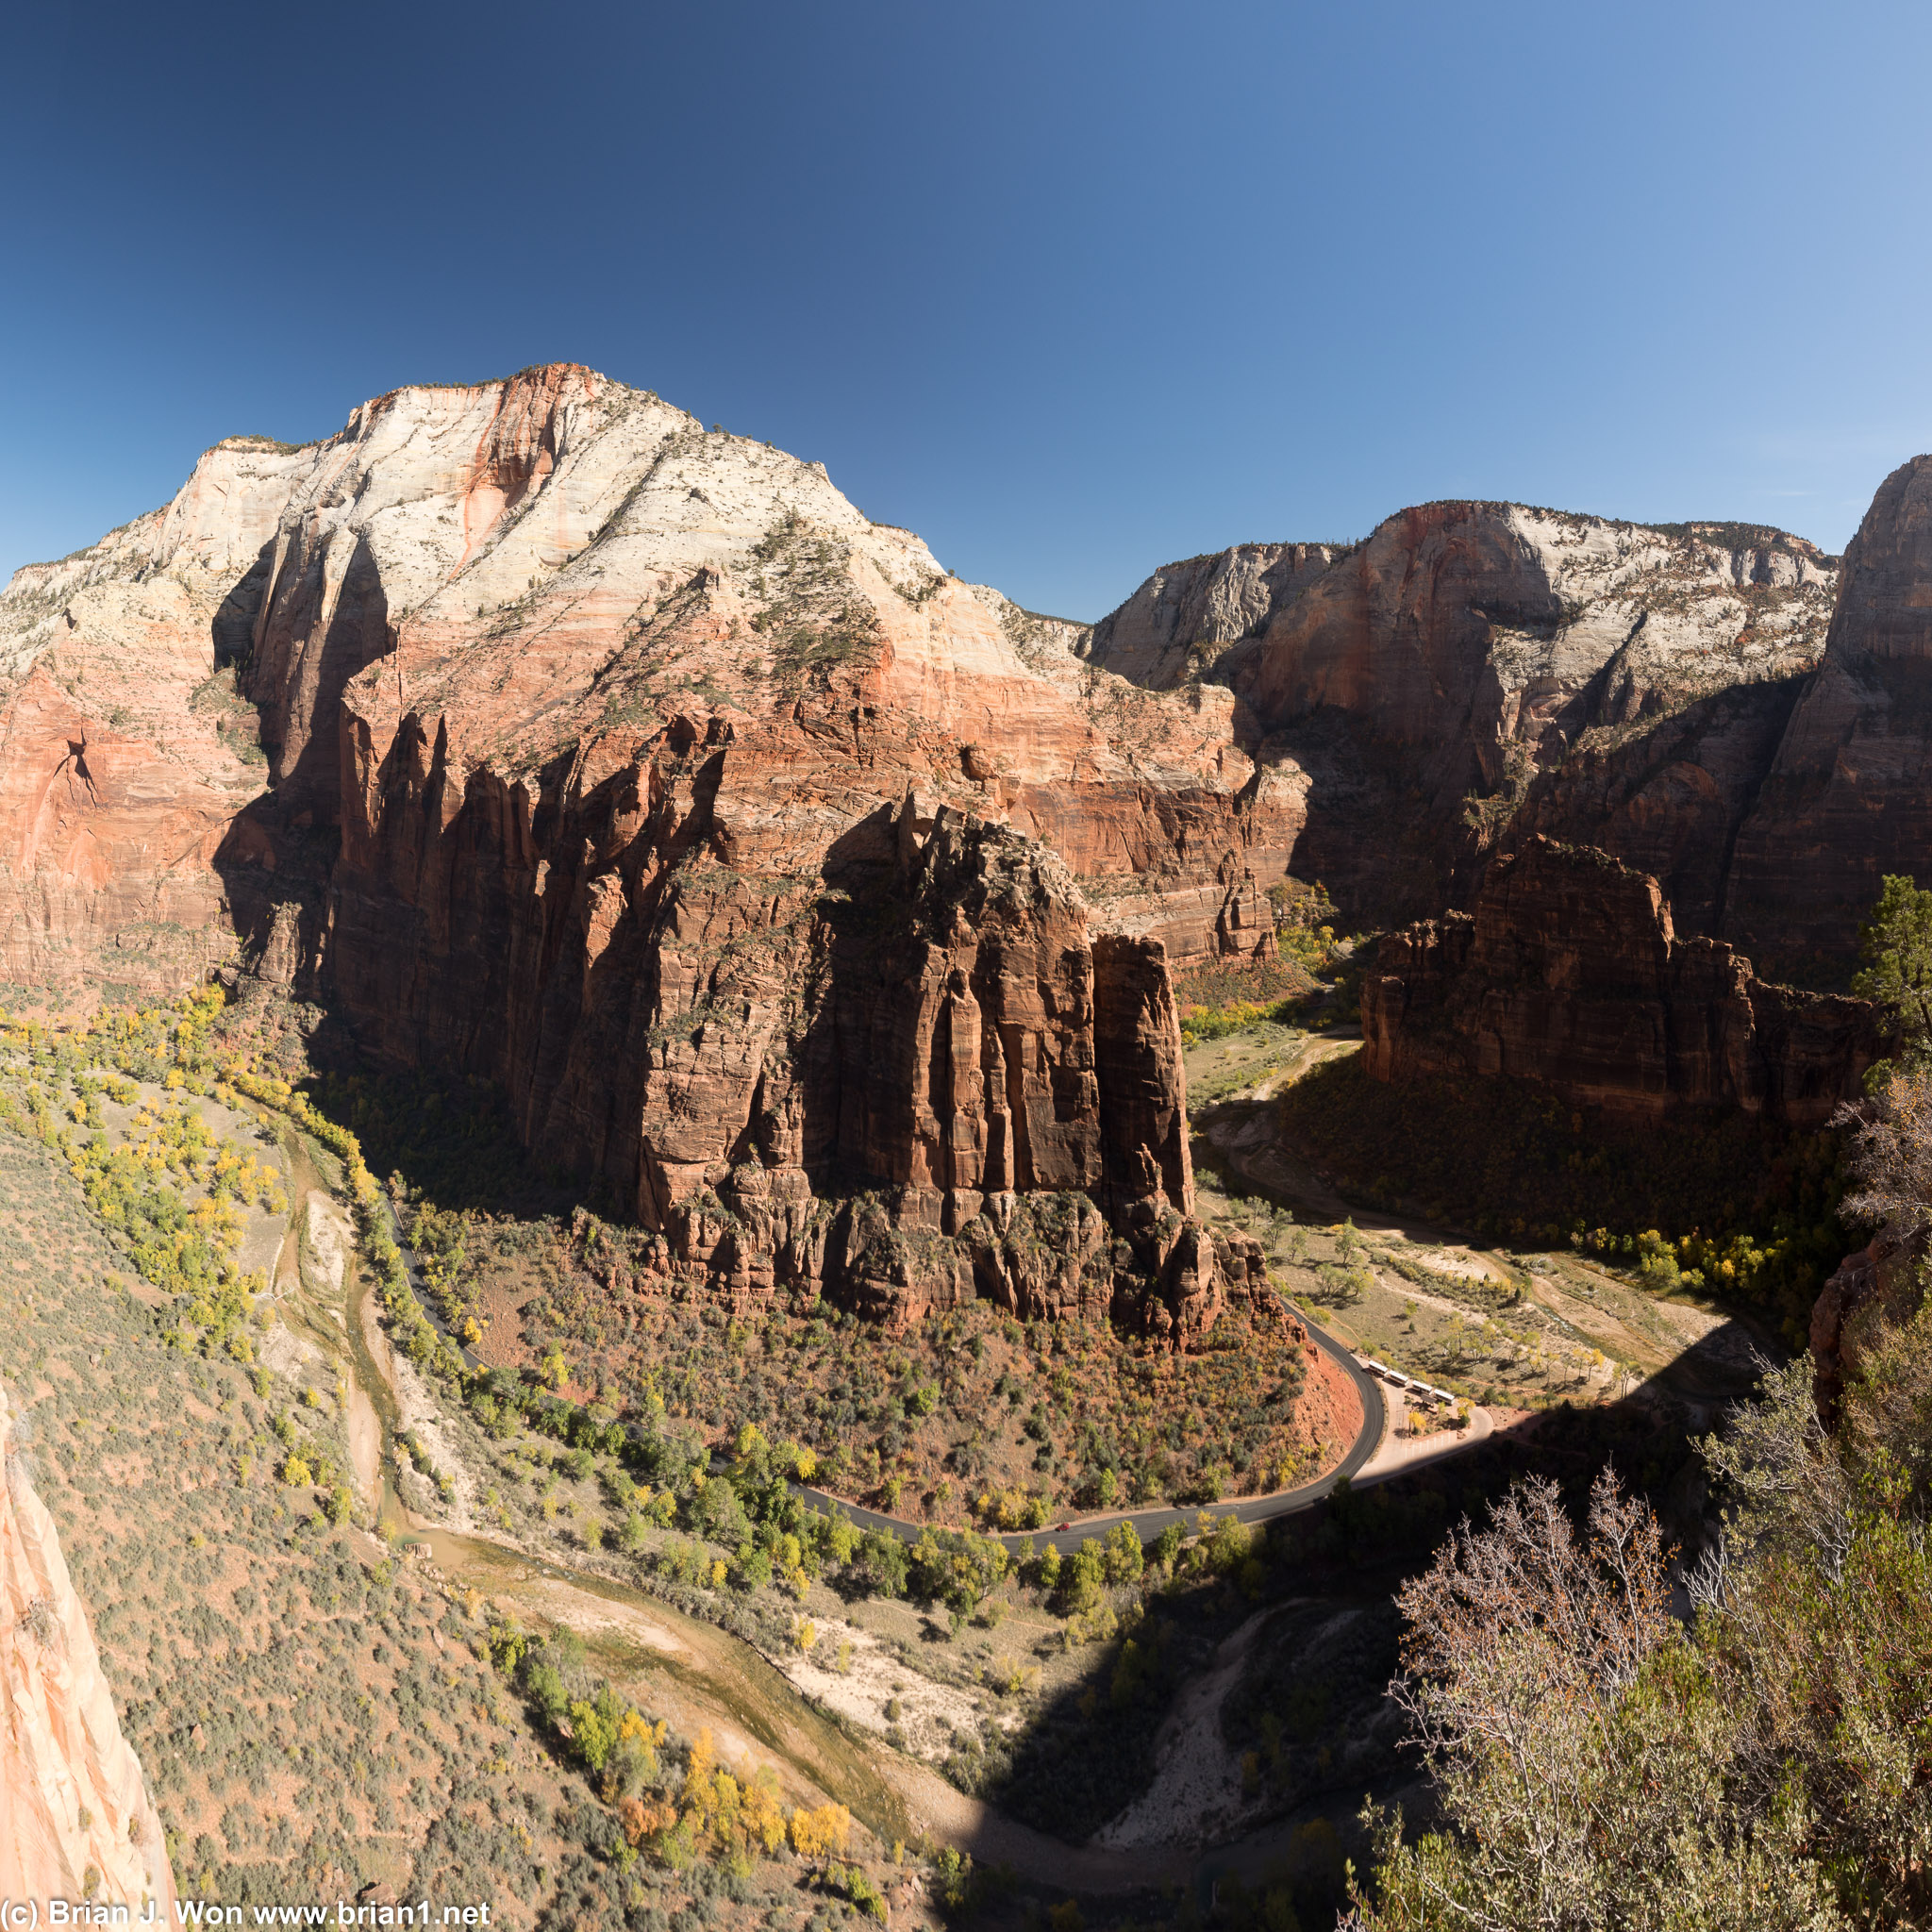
1149,1522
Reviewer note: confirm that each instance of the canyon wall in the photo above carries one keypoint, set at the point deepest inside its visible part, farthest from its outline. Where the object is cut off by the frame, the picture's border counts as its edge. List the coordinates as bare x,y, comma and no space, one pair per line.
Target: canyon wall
554,738
1423,690
1182,620
1848,796
1570,974
75,1820
1723,706
820,902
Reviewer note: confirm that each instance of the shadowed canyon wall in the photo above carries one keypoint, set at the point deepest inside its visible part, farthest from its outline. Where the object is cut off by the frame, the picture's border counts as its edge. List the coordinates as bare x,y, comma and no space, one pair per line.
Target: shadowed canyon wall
1569,973
1848,797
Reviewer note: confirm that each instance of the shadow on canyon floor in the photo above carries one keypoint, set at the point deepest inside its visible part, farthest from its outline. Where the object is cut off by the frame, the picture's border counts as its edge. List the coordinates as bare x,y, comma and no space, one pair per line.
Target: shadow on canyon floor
1752,1208
1234,1733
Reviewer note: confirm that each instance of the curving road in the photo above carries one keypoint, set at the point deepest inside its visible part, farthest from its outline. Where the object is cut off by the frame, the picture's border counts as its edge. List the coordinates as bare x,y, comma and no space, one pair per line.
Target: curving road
1149,1522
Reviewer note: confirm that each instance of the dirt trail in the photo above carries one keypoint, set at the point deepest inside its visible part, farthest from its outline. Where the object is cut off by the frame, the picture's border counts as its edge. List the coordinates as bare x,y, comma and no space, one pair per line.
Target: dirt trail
954,1819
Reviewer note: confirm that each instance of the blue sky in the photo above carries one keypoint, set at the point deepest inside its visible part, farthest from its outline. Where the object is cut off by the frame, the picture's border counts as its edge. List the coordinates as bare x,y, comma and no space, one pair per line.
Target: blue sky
1070,290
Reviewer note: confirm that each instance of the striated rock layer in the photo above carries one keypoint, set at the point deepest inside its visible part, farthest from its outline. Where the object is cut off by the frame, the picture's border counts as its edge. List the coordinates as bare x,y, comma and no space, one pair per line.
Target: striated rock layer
804,891
765,863
75,1820
1723,706
1421,689
1570,974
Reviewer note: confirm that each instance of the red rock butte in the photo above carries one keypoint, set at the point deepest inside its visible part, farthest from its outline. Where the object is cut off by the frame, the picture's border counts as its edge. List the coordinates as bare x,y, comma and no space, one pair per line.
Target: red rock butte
819,901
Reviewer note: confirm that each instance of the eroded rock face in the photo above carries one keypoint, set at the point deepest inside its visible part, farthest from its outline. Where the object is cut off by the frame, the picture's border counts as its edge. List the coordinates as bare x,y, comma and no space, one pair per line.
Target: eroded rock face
125,756
592,556
1182,620
1848,797
1668,798
75,1820
762,861
1570,974
1416,688
915,1078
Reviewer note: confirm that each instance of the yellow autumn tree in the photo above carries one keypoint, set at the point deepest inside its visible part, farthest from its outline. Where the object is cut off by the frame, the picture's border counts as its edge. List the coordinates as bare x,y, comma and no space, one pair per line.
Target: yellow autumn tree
822,1833
761,1817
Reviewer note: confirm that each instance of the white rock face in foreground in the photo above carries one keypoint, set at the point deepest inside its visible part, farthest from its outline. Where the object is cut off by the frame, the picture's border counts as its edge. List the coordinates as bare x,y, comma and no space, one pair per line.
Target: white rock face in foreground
75,1820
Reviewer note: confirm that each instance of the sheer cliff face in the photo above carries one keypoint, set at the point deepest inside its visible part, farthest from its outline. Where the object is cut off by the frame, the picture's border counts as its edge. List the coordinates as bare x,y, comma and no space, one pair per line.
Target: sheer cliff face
1570,973
560,741
1471,664
1848,797
75,1821
122,760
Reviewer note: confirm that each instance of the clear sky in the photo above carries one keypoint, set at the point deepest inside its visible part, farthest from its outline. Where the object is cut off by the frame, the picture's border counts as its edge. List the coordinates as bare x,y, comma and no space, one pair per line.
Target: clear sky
1070,290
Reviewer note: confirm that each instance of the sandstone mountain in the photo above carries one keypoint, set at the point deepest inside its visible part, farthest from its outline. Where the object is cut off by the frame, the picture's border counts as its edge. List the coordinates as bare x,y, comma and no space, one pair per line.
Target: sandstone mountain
1475,672
1722,707
75,1820
627,764
825,904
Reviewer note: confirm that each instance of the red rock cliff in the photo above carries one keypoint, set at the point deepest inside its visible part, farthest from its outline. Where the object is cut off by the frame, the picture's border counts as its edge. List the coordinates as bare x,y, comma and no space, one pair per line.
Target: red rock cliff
555,739
1570,974
1421,689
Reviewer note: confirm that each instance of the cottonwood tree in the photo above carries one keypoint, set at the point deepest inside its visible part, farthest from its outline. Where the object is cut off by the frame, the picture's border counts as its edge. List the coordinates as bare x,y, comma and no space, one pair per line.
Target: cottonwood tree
1578,1743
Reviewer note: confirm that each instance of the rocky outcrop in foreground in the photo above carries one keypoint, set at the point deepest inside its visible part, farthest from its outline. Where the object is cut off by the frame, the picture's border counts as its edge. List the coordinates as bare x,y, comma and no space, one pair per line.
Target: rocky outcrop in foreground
1881,1286
75,1820
1570,974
